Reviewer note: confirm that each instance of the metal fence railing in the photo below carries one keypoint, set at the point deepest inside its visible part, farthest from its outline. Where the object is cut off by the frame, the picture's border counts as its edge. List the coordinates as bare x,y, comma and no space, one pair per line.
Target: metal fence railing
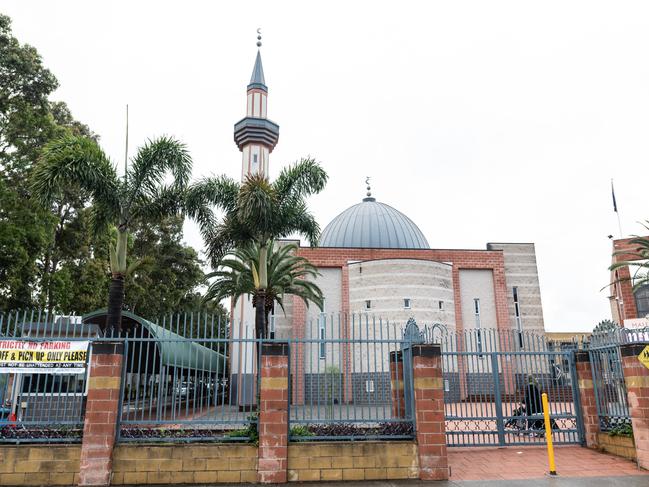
493,381
343,374
609,387
608,377
179,384
43,403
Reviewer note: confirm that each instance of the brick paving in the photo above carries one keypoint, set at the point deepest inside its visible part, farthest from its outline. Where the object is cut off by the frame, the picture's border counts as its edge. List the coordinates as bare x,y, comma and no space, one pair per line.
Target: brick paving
514,463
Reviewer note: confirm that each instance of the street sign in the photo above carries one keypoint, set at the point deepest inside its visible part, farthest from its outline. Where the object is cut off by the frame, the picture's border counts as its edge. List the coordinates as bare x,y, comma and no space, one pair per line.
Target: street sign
644,357
43,357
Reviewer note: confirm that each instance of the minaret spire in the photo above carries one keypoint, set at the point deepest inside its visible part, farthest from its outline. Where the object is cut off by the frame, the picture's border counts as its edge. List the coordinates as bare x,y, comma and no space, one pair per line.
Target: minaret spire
255,135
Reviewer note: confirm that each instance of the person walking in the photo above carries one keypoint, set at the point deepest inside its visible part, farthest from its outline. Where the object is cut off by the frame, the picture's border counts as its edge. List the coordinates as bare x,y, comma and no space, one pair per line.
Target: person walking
533,404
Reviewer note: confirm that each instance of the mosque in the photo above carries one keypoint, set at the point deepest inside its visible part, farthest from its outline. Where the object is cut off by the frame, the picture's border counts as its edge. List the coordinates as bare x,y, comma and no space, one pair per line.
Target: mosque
374,260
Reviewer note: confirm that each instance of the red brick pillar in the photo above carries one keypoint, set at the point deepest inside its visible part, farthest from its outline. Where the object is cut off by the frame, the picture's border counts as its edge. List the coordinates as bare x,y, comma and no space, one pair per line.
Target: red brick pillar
298,377
273,414
429,412
100,424
636,378
396,385
587,398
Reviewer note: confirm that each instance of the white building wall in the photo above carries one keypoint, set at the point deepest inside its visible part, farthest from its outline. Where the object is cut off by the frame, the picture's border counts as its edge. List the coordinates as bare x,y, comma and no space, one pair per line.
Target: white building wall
478,284
521,272
242,327
386,284
330,282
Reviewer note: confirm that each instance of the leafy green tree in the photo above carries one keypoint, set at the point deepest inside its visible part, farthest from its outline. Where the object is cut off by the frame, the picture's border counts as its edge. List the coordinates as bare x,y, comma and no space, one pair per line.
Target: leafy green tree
26,122
141,195
29,234
258,212
23,237
171,275
286,274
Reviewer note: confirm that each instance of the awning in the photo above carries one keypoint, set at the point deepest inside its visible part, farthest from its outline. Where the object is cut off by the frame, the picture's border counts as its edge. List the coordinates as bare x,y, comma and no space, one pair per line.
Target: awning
172,350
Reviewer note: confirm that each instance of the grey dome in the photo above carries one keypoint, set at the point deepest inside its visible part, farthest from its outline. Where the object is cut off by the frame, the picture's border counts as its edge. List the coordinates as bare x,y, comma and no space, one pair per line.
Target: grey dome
371,224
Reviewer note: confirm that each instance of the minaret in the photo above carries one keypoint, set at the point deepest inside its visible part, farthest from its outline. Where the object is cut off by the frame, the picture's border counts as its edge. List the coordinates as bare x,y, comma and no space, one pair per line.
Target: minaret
255,135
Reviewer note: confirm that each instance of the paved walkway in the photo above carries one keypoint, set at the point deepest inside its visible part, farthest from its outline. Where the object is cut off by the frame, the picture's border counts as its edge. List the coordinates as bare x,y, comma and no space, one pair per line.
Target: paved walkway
636,481
531,462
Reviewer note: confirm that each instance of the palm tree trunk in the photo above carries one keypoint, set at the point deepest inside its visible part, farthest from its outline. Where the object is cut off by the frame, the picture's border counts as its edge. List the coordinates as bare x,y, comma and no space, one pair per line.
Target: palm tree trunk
260,314
115,303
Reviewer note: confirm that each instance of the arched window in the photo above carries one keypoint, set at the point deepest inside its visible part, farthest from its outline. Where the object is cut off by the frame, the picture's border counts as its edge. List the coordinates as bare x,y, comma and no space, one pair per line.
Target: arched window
642,301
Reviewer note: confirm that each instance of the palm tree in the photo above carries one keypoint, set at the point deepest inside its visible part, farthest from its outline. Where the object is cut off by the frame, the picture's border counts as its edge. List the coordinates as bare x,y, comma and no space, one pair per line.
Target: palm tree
143,194
287,274
258,212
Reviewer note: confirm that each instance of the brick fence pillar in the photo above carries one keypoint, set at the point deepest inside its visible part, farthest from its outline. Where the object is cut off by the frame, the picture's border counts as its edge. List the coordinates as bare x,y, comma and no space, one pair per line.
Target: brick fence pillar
273,414
100,424
636,378
587,398
396,385
429,412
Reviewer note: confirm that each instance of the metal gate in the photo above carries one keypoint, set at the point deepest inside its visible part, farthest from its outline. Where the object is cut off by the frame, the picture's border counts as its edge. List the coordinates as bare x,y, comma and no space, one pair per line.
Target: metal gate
492,397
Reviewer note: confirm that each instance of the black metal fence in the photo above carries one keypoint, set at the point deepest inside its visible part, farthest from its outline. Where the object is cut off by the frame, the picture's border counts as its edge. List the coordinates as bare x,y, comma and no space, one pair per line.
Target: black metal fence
178,383
343,374
608,376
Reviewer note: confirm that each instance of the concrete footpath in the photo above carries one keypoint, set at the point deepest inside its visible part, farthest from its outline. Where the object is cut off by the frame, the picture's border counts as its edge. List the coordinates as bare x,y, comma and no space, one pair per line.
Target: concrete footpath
625,481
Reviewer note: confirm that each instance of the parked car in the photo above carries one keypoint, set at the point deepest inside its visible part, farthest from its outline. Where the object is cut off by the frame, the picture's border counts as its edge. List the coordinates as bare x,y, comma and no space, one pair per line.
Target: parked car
184,389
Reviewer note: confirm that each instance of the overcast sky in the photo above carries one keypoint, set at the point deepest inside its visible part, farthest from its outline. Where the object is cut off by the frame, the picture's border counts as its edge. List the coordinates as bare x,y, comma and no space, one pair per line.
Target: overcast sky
481,121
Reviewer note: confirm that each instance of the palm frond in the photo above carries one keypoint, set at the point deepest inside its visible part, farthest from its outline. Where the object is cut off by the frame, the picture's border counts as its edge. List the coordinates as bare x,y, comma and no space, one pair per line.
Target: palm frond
78,161
160,202
150,166
303,178
257,206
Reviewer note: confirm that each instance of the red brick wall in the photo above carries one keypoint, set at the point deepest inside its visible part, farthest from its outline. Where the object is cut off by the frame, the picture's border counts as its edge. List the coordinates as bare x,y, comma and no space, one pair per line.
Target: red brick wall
623,290
100,422
429,412
273,414
636,378
397,385
587,398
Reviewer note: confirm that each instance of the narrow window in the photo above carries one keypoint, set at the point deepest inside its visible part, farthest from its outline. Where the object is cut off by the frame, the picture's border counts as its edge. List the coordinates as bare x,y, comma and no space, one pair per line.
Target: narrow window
440,305
369,386
476,309
368,304
322,334
271,326
406,303
517,315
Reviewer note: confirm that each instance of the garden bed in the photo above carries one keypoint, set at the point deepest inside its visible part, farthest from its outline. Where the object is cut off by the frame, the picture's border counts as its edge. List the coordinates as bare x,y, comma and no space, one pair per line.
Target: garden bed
351,431
36,434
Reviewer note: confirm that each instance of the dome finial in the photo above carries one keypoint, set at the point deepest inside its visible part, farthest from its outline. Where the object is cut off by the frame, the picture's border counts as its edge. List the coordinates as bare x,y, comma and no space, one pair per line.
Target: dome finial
259,37
369,190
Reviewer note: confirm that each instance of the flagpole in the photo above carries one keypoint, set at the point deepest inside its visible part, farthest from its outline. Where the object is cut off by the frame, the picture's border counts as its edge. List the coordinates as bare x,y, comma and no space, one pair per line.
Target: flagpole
619,223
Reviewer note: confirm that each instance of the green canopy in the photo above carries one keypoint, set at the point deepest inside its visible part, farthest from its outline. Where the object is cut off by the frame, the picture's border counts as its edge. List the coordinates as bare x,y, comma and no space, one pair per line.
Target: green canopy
173,350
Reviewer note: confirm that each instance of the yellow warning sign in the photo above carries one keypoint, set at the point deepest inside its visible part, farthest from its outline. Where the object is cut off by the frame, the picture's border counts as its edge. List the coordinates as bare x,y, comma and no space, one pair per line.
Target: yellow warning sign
644,357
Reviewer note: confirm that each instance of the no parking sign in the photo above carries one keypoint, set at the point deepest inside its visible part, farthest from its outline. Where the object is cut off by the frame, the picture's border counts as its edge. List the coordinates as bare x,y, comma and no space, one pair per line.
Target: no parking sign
34,357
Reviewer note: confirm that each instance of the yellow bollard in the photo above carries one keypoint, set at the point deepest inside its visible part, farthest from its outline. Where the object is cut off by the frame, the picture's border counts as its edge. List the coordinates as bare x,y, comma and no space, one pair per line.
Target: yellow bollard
548,433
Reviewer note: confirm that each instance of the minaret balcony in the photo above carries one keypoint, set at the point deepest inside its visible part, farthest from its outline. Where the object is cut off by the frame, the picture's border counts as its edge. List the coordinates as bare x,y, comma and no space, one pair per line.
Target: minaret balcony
256,130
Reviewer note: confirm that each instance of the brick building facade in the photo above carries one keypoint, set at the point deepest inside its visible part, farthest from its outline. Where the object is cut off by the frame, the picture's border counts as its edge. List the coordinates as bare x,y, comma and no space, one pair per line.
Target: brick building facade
628,307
